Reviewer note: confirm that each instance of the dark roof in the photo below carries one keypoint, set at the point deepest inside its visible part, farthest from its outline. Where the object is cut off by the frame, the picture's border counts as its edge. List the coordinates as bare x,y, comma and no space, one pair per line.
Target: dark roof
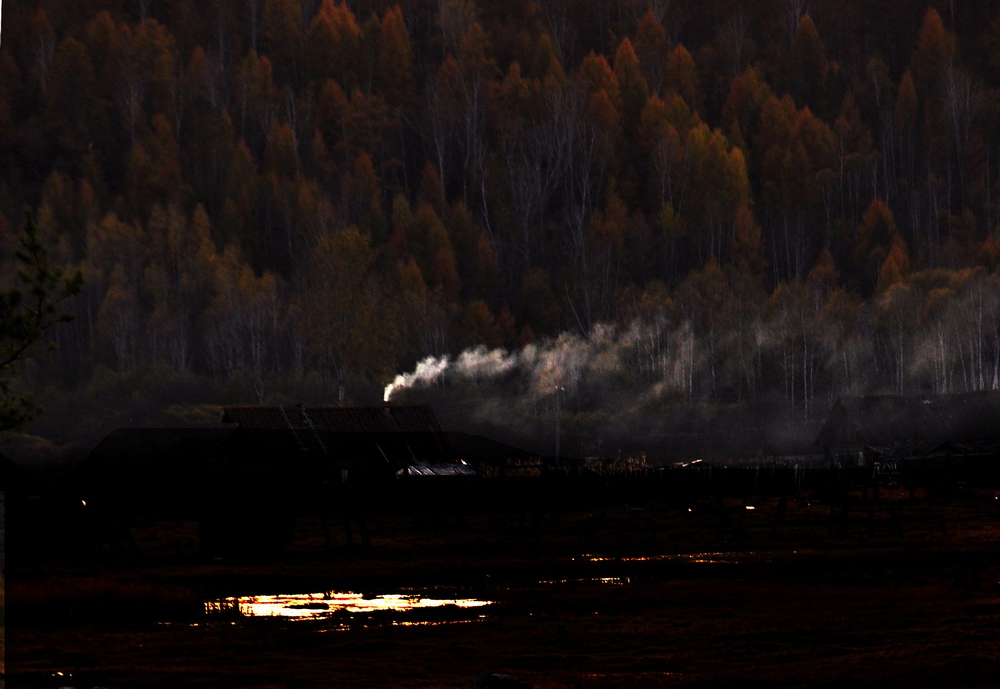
386,419
139,450
426,469
387,436
883,420
267,441
149,468
157,443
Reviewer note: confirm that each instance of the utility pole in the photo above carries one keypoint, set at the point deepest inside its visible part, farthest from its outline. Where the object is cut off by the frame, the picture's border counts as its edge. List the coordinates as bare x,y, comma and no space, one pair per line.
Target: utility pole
559,389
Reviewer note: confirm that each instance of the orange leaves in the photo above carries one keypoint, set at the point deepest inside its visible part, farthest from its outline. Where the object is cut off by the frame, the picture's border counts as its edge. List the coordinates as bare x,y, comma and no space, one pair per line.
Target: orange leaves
880,259
477,326
331,111
155,168
604,114
282,33
652,47
474,53
662,143
595,75
348,322
113,242
854,140
718,187
596,81
742,108
682,78
933,65
878,226
104,41
703,294
895,268
149,64
422,237
631,83
610,226
200,73
362,192
545,64
395,60
241,185
444,273
989,253
808,59
281,153
653,123
258,105
816,137
71,81
332,45
934,49
516,95
793,147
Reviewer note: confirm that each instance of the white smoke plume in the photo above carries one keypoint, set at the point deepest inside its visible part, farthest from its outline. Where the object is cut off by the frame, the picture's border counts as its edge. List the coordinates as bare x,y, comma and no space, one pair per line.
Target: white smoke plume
480,363
627,388
476,364
559,364
426,373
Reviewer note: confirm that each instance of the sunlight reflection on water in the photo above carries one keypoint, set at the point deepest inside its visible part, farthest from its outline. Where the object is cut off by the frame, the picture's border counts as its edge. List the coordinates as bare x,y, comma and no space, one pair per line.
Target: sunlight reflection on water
614,581
303,606
697,558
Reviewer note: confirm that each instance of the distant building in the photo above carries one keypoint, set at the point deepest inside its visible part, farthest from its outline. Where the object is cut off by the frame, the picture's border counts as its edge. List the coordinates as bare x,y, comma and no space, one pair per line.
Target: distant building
249,478
910,427
383,440
273,446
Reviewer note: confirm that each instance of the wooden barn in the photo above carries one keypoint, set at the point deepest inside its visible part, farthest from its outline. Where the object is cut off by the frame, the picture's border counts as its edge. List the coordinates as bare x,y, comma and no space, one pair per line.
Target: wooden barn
387,440
897,427
305,445
247,479
161,469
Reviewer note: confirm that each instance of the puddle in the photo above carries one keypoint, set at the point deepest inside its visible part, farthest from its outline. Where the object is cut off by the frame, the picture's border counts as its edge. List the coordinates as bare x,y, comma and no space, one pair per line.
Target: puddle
305,606
696,558
613,581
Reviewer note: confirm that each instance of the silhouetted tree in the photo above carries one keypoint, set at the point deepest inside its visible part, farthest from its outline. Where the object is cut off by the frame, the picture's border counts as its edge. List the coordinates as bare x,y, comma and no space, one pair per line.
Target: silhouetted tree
27,311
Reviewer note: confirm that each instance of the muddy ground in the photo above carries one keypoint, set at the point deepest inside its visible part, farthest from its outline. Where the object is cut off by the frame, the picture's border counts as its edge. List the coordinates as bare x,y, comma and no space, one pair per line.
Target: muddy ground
903,592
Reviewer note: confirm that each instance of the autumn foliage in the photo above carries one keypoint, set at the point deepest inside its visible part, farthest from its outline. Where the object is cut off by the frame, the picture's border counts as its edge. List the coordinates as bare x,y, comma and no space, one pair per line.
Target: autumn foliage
278,189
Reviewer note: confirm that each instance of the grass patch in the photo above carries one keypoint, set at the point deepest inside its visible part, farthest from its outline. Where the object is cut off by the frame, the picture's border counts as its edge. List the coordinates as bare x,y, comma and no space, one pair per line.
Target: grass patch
96,600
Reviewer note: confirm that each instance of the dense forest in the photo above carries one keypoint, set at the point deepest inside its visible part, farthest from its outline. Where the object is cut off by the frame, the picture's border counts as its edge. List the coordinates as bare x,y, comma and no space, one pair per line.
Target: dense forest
726,198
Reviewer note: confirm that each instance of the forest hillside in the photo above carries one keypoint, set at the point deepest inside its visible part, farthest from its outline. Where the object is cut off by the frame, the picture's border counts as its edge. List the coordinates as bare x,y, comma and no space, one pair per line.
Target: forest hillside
639,204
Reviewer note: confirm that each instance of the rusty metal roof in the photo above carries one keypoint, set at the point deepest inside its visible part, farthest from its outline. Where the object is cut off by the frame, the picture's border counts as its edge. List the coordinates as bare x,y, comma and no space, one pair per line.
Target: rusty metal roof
390,435
882,420
428,469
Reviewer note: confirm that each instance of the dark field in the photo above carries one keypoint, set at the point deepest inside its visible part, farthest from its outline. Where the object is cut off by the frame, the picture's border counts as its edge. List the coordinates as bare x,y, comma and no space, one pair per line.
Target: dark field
902,592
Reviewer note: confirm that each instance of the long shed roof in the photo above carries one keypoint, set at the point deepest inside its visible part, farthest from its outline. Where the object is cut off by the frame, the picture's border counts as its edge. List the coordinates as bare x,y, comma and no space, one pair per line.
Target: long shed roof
407,419
128,453
393,435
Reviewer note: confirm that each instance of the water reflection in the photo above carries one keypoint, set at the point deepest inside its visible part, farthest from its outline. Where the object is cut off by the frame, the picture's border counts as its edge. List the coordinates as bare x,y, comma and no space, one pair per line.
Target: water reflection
698,558
614,581
302,606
